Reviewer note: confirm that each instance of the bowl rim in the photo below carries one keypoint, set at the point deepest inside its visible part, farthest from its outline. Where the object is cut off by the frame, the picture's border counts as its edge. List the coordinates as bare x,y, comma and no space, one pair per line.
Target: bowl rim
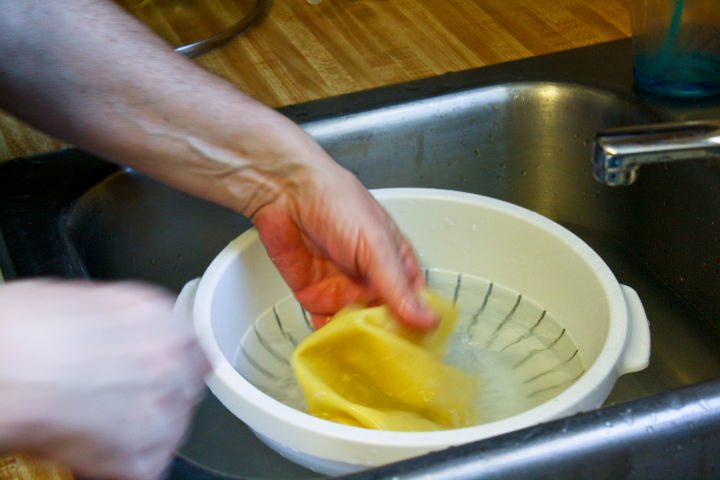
282,419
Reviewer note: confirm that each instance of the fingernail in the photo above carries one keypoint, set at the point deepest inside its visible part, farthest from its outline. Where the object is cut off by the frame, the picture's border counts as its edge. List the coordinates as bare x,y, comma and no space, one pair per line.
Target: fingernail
421,315
430,319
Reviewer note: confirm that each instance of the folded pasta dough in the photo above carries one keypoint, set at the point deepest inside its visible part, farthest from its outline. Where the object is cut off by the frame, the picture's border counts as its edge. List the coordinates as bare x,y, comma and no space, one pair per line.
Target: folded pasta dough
365,369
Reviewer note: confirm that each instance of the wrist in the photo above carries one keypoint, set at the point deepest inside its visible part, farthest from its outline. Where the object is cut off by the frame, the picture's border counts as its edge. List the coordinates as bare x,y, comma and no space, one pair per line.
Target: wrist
242,155
259,162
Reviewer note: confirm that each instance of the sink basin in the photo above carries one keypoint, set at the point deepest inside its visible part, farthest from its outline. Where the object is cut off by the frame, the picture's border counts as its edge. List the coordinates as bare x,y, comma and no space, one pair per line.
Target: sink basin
520,132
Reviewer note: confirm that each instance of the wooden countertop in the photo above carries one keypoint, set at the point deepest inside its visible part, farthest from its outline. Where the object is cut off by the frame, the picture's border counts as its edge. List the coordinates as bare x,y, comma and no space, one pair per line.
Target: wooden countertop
301,52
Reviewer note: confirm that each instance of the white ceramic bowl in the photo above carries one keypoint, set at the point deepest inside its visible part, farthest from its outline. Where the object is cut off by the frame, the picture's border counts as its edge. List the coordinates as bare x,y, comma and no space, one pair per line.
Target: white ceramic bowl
457,231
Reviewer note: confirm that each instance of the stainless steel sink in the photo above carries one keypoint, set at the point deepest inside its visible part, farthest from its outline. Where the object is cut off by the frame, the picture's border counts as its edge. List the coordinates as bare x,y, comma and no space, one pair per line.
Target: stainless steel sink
521,132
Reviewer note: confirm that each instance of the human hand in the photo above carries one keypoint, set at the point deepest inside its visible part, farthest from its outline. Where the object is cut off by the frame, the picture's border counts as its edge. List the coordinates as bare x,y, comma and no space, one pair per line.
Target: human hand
96,375
335,245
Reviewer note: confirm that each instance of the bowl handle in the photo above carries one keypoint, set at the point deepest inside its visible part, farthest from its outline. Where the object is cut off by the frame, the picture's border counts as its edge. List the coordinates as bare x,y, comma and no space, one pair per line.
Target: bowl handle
182,310
637,347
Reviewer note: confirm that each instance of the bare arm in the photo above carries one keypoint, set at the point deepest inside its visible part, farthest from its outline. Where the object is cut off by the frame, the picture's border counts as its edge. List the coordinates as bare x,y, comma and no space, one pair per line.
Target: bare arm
87,72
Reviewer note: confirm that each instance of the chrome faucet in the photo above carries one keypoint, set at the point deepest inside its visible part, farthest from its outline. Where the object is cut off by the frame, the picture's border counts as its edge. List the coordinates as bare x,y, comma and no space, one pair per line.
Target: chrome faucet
618,153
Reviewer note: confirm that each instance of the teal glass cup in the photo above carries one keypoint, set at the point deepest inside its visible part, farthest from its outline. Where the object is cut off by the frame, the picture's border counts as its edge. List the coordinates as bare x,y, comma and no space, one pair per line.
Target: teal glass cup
676,46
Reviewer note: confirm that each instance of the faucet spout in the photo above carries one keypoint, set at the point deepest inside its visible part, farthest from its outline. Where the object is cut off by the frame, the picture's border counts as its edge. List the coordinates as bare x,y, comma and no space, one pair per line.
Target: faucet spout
618,153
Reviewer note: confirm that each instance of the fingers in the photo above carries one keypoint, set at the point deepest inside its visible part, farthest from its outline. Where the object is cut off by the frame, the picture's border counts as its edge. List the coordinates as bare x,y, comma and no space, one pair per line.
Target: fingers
383,258
404,301
337,246
410,264
394,273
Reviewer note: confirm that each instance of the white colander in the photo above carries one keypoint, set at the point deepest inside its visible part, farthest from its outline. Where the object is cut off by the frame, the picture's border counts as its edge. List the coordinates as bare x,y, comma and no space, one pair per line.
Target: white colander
519,353
528,289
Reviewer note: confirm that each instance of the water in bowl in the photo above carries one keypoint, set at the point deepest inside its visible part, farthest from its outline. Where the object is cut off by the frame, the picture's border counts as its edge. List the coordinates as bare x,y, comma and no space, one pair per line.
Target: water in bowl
519,353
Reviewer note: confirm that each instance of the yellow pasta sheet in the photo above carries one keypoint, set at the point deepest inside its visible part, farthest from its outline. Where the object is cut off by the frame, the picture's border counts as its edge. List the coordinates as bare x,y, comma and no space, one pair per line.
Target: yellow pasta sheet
365,369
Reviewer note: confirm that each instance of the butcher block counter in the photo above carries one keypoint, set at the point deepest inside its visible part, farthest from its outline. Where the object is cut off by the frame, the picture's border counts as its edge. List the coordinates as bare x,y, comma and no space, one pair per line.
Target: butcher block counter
298,51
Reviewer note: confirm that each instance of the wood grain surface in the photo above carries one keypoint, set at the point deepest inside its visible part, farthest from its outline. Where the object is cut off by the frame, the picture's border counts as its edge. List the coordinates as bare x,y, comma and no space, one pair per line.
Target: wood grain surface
300,52
23,468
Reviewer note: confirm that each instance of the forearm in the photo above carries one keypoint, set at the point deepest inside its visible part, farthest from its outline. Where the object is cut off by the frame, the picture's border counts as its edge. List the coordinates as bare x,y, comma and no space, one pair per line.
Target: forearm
87,72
